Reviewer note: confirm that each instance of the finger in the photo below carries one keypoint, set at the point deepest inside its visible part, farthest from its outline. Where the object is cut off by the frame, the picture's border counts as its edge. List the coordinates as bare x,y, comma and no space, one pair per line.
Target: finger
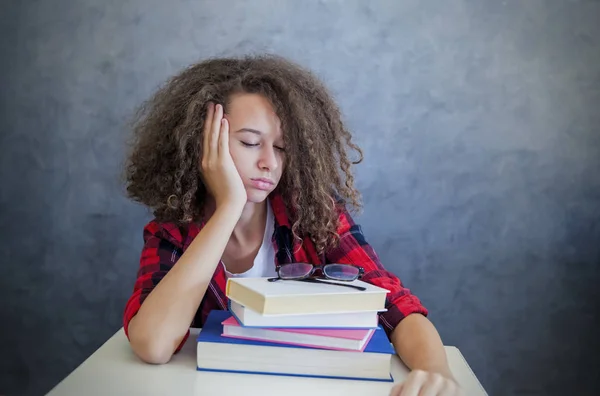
432,386
224,138
410,389
207,128
396,390
213,142
413,384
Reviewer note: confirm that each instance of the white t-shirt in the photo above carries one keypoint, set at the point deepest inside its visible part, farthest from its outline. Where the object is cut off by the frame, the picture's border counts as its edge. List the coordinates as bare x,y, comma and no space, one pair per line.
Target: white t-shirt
264,262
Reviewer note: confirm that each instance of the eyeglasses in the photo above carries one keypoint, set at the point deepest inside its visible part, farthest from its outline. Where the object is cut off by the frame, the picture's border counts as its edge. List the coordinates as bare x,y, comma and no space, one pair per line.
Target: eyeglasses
305,271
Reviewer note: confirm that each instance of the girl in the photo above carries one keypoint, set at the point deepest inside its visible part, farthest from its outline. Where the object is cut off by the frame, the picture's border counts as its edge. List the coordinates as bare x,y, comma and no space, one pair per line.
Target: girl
244,164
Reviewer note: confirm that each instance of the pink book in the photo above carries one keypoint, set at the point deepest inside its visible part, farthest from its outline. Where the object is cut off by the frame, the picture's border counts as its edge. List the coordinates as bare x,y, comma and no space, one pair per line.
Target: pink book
337,339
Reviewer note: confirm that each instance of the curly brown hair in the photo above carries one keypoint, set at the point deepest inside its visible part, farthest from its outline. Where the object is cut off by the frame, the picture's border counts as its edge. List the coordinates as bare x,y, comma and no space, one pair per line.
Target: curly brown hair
163,169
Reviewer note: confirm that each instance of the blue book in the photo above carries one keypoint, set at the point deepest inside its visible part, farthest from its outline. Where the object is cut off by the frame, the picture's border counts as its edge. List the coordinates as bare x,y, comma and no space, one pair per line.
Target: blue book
218,353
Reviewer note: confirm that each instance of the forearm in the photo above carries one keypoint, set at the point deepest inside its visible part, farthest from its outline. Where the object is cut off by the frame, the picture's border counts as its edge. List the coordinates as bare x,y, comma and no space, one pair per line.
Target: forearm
419,345
165,316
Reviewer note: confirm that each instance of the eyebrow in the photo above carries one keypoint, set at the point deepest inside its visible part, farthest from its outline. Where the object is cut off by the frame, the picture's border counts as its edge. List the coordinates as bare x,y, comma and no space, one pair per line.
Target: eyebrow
254,131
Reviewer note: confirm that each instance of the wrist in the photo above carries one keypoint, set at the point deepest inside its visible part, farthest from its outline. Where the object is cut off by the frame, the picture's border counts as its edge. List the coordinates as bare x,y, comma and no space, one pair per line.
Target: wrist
231,207
446,373
443,371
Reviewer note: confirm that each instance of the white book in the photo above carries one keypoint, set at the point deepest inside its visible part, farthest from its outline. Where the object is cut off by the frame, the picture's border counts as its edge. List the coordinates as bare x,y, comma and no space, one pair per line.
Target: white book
338,320
286,297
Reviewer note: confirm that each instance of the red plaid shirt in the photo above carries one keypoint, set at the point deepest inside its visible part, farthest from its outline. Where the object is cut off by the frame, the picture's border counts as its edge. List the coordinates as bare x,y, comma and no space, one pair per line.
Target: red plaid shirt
164,243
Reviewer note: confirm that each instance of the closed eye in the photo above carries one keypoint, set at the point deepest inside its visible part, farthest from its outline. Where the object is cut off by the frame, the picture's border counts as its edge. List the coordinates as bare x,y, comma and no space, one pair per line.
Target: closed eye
256,144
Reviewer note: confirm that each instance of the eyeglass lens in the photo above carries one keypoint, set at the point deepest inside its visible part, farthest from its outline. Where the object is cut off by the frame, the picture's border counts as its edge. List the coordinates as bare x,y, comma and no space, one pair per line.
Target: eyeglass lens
333,271
341,271
295,270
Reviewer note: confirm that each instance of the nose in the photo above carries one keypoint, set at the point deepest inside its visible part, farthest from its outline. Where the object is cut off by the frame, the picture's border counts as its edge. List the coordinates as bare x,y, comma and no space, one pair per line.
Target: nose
268,159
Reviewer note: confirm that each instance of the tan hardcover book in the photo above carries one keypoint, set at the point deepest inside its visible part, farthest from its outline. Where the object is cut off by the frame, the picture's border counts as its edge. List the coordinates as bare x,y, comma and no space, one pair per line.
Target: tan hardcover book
287,297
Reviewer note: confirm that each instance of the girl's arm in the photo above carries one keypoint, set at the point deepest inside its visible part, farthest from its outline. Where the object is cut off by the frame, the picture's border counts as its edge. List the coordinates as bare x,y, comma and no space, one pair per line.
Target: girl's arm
164,318
414,337
419,345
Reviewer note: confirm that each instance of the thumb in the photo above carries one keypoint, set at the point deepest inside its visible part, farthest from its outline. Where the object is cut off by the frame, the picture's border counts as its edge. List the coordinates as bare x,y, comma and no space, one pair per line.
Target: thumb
397,390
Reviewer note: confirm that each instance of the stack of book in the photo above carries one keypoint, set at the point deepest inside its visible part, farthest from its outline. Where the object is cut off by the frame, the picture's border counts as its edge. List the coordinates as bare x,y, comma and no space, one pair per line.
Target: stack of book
298,328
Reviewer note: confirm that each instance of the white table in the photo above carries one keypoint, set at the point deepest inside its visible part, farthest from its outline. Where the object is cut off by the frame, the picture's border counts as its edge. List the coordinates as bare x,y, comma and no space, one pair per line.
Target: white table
115,370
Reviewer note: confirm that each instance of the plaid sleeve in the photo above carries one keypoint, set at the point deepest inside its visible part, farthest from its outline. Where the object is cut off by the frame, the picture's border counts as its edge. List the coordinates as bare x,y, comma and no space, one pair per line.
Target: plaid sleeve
160,252
354,249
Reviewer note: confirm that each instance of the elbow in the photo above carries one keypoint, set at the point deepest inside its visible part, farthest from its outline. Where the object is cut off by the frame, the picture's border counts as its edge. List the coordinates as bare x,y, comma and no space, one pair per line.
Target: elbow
151,351
152,357
153,347
148,348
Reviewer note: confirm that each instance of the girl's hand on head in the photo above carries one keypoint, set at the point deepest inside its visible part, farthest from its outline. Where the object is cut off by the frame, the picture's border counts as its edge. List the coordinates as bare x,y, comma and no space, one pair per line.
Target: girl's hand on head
426,383
218,169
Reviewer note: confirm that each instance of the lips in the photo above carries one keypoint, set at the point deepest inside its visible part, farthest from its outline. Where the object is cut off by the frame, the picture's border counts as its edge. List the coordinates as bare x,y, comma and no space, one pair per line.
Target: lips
262,183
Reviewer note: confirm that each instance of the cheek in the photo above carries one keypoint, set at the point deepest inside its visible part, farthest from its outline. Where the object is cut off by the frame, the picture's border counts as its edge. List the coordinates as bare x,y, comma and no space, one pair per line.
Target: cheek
281,167
237,156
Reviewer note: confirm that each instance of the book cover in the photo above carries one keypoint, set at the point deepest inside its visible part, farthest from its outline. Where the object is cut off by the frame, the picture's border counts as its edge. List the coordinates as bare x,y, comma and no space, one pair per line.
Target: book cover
335,339
213,329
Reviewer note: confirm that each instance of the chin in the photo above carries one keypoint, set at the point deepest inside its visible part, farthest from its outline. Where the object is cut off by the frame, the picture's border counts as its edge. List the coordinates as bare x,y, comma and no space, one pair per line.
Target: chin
257,196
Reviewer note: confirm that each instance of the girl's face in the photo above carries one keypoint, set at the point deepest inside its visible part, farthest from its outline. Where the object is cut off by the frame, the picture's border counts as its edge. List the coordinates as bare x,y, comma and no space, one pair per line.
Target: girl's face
255,144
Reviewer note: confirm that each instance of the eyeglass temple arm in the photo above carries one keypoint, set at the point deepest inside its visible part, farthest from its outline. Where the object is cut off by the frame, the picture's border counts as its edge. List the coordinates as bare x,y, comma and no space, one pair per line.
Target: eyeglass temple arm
312,280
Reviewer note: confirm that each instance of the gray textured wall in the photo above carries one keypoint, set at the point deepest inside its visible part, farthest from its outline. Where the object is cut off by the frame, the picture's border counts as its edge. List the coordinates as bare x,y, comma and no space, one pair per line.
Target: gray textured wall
480,123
